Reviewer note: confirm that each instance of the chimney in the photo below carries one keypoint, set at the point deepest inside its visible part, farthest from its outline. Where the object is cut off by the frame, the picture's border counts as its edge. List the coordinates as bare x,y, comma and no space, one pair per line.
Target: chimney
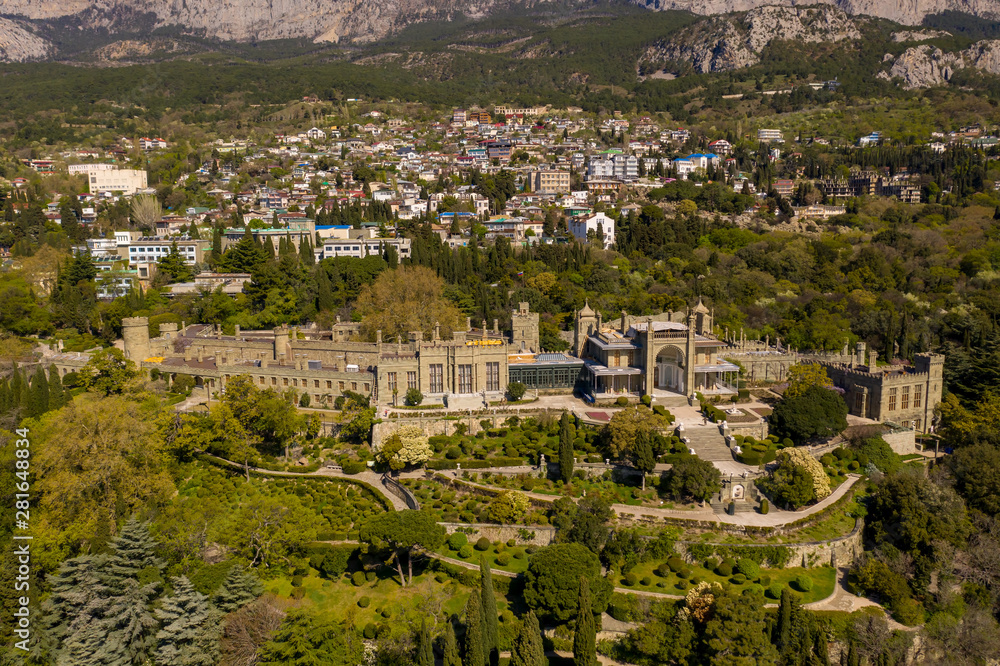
437,331
496,326
378,336
624,323
237,330
468,323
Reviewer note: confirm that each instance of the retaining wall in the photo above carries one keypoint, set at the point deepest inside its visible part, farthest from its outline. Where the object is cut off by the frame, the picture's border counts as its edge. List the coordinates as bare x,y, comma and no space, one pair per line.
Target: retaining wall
541,535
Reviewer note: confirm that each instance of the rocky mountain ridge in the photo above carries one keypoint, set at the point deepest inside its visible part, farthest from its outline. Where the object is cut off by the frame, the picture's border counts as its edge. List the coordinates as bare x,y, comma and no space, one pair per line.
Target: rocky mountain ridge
907,12
727,43
926,65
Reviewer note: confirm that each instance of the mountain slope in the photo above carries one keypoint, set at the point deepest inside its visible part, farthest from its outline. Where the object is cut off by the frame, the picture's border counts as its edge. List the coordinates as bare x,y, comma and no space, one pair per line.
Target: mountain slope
907,12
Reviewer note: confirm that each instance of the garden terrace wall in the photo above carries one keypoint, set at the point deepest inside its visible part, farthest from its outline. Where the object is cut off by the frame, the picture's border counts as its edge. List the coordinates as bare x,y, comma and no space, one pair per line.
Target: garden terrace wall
541,535
838,552
488,492
443,423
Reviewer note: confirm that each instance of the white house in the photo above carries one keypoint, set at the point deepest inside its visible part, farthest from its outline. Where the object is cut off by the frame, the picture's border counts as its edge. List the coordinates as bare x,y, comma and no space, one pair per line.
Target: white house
597,223
683,167
316,134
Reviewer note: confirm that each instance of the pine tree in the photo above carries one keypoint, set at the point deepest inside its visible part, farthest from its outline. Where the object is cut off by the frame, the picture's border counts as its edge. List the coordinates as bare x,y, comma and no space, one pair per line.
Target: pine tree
238,589
451,656
474,653
491,624
130,627
132,551
565,449
528,649
585,635
187,637
425,646
57,397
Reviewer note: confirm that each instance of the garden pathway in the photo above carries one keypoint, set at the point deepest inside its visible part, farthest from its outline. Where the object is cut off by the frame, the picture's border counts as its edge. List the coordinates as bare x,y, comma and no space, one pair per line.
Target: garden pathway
776,517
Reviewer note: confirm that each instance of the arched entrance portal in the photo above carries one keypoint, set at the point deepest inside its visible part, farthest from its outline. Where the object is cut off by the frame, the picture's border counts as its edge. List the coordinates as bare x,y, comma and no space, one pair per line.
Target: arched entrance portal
670,374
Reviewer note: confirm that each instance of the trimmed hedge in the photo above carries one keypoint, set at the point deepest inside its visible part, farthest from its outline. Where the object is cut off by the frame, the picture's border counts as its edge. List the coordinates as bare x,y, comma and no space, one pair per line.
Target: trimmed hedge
475,464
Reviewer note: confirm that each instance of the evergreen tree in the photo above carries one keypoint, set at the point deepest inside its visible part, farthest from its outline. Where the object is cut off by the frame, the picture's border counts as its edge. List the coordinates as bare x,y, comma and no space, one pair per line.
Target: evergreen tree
853,659
38,394
821,648
306,254
57,396
324,291
238,589
451,656
491,623
174,267
783,630
187,637
129,626
585,635
642,455
425,646
216,256
565,448
474,652
528,649
132,551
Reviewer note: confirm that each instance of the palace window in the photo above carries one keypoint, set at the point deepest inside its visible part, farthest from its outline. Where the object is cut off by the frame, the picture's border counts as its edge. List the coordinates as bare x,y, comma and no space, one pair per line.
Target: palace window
411,380
261,381
437,378
892,400
274,381
354,386
465,379
859,401
329,384
392,381
341,386
493,376
285,381
917,395
916,424
904,398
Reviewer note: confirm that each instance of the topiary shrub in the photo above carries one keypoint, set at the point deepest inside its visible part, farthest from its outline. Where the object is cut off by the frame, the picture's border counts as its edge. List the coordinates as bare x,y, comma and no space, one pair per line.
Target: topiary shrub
646,581
765,580
354,467
712,563
503,559
483,544
358,578
370,576
663,571
684,573
646,400
621,402
724,570
682,585
675,564
803,583
774,590
465,552
457,540
387,613
738,579
511,543
631,578
297,581
364,602
370,631
748,568
765,506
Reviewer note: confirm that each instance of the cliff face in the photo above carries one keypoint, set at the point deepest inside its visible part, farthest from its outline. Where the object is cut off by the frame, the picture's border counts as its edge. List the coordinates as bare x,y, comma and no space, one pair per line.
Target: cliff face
18,43
722,44
246,20
908,12
925,65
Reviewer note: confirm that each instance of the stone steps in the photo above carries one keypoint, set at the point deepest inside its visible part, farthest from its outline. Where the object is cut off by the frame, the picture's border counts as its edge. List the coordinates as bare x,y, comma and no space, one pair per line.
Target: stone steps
708,443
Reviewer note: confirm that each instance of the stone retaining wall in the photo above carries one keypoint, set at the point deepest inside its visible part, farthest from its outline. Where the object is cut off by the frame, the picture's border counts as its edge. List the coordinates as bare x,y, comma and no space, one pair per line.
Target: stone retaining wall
838,552
902,442
541,535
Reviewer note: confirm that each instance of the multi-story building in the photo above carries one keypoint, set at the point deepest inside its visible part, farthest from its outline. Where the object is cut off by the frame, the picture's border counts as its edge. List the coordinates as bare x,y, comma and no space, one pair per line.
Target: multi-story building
124,181
600,168
769,135
363,247
151,249
597,224
626,167
784,187
550,182
669,356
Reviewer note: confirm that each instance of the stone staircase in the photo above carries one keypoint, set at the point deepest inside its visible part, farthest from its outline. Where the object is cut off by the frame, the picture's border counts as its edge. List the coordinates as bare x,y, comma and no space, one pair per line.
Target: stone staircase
708,443
473,401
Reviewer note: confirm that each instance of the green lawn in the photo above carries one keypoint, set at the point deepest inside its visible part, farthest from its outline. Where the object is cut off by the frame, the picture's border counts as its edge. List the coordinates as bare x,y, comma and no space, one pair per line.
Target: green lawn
824,579
514,565
405,605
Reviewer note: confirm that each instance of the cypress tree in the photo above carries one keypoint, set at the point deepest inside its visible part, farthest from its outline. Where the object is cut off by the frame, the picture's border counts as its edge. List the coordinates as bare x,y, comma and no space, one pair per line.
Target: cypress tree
783,630
238,589
852,655
324,290
528,649
585,635
565,448
216,255
18,389
491,624
306,254
451,656
643,456
187,637
4,396
474,653
38,394
425,647
820,648
57,397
